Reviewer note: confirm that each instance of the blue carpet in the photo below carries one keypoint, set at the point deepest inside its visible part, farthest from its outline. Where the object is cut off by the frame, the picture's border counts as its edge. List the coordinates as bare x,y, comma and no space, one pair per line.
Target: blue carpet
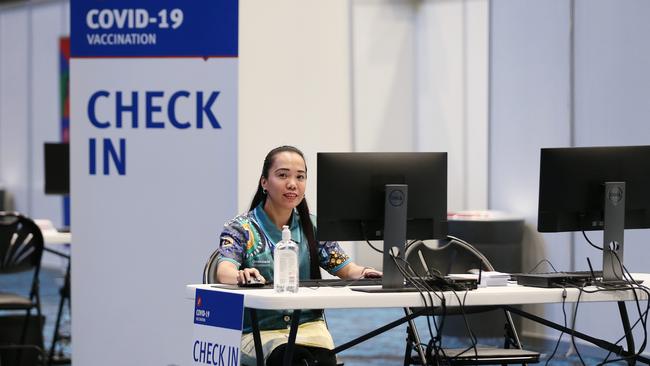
388,348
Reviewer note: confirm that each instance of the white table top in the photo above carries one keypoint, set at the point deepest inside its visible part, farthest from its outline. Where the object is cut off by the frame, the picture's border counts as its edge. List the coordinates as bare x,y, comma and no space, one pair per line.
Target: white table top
51,235
344,297
56,237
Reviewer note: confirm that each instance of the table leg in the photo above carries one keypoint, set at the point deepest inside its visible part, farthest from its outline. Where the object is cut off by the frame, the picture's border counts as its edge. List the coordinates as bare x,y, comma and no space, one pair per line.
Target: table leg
259,353
608,346
288,352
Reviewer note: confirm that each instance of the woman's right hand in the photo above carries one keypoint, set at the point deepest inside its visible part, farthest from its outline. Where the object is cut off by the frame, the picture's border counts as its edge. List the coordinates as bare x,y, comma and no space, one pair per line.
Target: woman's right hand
248,275
229,273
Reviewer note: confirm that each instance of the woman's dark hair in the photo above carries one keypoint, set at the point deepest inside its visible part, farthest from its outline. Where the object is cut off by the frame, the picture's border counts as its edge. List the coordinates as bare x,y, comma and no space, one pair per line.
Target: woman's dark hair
303,208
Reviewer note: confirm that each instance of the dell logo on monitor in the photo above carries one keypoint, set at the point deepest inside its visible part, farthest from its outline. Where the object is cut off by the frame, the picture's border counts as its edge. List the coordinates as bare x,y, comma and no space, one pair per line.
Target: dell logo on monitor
615,195
396,197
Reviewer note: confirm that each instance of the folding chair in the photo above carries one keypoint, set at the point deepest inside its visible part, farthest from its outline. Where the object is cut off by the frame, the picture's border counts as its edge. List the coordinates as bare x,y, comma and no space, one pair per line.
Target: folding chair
458,257
21,249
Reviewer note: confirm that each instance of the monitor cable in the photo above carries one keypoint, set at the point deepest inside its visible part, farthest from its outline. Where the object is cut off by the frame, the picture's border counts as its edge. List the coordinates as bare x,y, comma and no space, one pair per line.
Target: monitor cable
434,348
557,344
632,286
539,263
365,238
461,303
590,242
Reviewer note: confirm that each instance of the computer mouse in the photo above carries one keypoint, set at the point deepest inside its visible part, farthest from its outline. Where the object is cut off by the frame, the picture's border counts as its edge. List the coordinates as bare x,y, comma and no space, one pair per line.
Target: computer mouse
253,282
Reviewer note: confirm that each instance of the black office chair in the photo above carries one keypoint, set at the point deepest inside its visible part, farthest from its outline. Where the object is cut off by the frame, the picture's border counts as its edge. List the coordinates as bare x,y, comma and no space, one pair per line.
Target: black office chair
21,249
210,269
456,256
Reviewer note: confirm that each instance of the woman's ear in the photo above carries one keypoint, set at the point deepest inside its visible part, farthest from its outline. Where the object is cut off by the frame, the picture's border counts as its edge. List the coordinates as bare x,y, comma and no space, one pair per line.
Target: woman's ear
264,182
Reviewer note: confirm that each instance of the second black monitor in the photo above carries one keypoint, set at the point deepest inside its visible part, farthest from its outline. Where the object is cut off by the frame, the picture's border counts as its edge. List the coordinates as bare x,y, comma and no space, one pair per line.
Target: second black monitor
57,168
572,186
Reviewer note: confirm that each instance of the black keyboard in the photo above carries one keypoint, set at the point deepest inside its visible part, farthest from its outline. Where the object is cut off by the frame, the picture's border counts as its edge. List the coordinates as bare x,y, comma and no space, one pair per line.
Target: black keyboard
329,282
337,282
428,283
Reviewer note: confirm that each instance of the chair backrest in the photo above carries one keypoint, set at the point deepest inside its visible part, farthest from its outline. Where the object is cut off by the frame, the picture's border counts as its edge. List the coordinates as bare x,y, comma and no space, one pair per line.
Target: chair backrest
210,268
21,243
453,256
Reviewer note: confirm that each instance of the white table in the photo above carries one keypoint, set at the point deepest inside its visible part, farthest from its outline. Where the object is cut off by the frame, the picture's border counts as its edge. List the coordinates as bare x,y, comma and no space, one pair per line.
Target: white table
345,297
51,235
503,296
54,237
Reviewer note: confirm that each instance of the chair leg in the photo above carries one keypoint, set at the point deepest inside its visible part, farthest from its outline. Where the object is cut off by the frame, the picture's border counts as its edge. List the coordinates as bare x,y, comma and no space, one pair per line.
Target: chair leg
409,347
512,338
23,336
416,338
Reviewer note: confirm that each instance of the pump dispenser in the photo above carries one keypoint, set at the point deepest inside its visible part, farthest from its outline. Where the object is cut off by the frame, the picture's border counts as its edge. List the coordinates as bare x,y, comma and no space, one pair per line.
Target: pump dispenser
285,267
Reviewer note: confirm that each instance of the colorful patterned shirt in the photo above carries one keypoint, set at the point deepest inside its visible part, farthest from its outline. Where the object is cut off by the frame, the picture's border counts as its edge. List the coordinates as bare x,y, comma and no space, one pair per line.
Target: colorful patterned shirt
248,241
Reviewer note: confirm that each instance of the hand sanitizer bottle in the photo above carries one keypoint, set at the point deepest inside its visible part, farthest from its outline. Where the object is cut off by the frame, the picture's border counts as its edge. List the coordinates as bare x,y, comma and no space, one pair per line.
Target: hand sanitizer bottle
285,267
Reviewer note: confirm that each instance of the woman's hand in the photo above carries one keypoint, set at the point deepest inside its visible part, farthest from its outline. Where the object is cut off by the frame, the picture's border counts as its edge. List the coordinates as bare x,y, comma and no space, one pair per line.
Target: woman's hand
353,271
369,272
229,273
247,275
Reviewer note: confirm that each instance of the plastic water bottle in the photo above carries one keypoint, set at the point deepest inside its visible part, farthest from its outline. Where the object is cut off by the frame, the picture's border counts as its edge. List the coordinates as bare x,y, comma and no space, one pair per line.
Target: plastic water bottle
285,267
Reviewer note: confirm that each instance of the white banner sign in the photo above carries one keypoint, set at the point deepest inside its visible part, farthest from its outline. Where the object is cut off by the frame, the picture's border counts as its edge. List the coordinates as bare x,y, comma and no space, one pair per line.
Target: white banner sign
218,322
153,146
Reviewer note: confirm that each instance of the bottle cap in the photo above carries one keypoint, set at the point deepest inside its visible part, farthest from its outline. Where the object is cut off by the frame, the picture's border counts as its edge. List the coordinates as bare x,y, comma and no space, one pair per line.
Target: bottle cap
286,233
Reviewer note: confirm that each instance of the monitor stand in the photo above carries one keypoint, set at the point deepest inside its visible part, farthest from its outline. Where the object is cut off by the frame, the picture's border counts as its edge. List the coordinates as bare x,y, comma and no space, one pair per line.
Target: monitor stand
614,228
395,210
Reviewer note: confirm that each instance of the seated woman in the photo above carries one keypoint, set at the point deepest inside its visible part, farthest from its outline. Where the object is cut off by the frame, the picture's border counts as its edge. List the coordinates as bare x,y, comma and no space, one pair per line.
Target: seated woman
246,251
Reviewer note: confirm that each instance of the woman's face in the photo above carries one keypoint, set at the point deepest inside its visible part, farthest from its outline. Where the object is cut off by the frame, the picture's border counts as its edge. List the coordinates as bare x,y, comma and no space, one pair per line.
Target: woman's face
285,185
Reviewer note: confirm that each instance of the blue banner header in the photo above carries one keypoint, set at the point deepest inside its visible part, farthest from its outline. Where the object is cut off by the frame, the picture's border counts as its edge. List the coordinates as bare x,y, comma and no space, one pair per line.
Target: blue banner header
219,309
154,28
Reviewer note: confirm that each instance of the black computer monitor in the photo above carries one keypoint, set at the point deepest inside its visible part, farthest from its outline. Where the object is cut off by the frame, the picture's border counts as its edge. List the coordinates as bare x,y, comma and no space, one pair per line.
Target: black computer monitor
382,196
596,188
57,168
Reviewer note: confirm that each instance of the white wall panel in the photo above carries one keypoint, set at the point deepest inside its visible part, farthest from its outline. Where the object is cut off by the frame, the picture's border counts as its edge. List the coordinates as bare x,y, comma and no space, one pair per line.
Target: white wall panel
420,84
441,89
45,101
612,78
477,103
294,84
612,84
529,101
383,41
451,94
15,150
